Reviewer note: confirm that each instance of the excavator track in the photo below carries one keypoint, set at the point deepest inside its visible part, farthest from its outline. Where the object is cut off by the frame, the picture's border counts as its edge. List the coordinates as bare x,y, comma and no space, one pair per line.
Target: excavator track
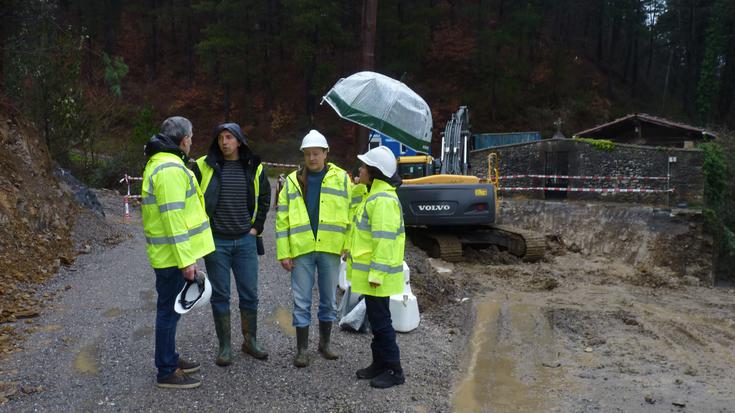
528,245
450,249
438,245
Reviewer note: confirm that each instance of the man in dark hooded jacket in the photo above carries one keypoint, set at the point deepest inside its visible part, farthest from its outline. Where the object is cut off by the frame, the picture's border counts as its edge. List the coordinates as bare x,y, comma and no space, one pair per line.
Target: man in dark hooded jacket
237,197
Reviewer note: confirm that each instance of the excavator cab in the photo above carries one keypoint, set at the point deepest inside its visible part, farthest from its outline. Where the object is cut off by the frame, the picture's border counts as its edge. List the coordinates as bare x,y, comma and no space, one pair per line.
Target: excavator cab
417,166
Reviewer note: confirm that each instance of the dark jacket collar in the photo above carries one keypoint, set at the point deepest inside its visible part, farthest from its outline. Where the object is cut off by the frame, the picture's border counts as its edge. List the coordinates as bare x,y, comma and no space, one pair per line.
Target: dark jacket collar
162,143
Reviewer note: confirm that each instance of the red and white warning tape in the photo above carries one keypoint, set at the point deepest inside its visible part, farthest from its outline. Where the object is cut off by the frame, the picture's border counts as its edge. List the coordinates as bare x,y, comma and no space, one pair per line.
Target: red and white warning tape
128,178
614,190
126,198
593,177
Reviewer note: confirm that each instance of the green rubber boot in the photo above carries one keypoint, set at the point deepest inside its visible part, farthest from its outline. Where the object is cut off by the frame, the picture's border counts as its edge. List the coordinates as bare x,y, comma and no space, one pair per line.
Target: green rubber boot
302,343
249,322
222,327
325,333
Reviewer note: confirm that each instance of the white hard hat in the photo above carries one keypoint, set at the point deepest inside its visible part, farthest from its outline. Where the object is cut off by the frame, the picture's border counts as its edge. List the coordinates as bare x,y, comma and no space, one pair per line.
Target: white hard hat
194,294
381,158
314,139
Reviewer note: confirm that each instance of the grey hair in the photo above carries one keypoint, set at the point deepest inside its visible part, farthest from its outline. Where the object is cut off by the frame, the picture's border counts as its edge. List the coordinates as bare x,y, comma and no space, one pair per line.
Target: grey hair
176,128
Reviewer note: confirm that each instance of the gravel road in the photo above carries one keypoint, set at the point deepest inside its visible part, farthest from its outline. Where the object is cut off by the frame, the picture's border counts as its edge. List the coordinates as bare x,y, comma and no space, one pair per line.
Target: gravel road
92,347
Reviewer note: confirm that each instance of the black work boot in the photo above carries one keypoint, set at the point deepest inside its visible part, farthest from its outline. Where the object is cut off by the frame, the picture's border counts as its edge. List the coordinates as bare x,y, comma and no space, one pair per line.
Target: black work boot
222,327
391,376
249,322
373,370
325,333
302,343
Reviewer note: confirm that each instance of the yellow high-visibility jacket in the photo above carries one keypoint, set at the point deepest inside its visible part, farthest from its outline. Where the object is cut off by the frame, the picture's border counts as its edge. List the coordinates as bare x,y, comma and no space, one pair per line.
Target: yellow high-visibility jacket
254,190
294,236
376,244
176,226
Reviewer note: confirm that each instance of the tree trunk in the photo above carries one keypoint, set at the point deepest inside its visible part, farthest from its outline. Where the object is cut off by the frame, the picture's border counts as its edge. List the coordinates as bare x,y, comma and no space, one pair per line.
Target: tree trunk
226,102
152,62
189,48
666,81
600,36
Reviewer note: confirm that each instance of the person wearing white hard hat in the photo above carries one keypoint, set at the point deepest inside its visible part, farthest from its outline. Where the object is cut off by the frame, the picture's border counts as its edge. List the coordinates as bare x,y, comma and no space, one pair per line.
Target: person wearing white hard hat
311,222
375,248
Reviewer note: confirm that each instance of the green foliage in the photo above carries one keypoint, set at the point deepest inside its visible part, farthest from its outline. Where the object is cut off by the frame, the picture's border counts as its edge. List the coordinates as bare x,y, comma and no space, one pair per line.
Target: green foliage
599,144
715,175
128,160
42,77
708,87
115,71
316,37
719,202
144,126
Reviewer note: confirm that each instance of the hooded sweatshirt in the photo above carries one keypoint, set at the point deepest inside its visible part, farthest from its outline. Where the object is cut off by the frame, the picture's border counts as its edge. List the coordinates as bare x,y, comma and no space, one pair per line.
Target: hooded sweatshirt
212,192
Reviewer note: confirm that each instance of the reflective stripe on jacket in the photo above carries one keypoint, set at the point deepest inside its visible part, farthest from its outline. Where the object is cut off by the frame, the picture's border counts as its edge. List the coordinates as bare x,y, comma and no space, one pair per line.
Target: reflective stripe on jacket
294,236
207,172
376,244
259,190
176,227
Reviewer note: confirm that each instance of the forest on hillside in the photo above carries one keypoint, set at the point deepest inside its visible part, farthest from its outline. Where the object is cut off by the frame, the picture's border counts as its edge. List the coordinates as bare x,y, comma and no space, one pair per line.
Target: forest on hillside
96,77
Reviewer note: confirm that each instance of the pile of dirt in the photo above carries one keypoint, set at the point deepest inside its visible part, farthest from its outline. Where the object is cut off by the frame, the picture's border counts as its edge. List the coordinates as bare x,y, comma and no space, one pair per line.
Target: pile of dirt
639,236
37,214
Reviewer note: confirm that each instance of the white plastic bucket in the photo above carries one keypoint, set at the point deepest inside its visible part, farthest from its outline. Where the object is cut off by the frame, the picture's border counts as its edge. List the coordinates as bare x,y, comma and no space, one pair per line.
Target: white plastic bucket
404,308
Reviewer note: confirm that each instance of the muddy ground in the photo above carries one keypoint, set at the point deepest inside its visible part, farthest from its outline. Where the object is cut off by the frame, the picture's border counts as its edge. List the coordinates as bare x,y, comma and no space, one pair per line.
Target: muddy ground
590,328
586,330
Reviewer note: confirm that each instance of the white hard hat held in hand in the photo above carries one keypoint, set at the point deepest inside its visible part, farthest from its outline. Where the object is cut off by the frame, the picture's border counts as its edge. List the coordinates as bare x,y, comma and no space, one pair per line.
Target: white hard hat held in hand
314,139
381,158
195,294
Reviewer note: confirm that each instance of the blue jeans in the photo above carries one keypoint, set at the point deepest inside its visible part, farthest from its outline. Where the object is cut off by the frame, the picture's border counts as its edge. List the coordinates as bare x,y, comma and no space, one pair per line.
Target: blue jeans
303,274
241,256
169,281
384,344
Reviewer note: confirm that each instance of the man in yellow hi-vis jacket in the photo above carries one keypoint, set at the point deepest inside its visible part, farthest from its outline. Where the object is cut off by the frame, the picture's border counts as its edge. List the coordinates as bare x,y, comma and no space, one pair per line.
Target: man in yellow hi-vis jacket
311,222
177,234
375,262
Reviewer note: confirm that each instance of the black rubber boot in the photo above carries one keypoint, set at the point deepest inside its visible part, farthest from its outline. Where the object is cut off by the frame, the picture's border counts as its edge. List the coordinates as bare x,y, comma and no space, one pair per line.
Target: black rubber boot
325,333
373,370
222,327
302,343
249,323
391,376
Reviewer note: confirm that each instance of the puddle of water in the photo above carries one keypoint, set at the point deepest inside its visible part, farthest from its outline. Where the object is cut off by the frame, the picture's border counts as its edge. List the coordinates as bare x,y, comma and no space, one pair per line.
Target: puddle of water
112,312
142,332
282,318
85,361
50,328
510,343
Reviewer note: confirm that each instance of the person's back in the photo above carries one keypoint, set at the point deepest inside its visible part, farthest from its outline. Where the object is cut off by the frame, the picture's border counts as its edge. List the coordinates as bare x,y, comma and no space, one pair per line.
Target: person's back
177,234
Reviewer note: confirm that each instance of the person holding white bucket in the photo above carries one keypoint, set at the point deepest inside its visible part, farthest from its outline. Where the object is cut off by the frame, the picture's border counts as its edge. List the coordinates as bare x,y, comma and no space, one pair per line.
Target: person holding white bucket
375,250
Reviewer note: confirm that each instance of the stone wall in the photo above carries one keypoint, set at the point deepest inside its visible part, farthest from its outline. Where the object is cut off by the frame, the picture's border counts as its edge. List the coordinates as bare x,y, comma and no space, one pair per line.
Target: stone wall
583,158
